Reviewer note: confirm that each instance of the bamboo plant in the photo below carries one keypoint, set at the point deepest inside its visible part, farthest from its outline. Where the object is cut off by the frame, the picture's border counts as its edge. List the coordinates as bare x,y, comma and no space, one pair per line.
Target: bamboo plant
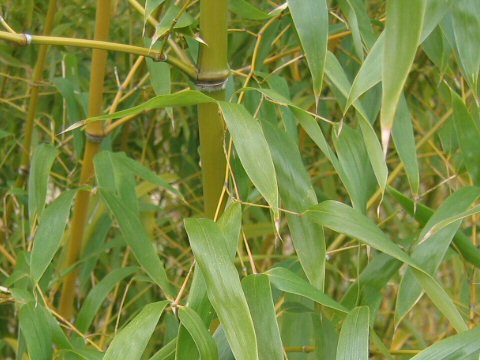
259,180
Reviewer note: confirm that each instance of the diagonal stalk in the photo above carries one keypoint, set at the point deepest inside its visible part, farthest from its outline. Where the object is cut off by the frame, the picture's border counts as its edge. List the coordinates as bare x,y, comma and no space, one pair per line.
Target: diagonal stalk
94,135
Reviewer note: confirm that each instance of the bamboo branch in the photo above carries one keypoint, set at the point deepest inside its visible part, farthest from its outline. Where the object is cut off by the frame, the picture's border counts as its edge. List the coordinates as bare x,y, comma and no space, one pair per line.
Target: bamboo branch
27,39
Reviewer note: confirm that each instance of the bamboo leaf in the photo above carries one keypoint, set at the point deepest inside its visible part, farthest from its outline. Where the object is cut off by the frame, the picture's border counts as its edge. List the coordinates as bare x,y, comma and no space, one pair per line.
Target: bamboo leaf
49,234
289,282
404,140
247,10
310,18
38,336
429,253
460,346
297,194
344,219
337,76
137,238
468,134
466,28
98,294
422,214
223,286
353,339
194,325
131,341
404,26
253,151
259,298
42,160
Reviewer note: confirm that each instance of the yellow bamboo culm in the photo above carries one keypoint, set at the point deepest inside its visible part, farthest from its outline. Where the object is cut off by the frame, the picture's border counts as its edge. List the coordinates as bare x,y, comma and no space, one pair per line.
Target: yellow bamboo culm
94,135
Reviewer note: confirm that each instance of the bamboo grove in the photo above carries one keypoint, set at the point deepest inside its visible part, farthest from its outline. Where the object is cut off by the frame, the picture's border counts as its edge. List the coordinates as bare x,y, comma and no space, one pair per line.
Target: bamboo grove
239,179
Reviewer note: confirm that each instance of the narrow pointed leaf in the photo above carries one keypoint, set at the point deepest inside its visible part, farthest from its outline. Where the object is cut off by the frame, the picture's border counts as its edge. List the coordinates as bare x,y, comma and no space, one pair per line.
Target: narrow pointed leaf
259,297
344,219
137,238
98,294
42,160
194,325
404,26
289,282
253,151
131,341
429,253
460,346
310,18
468,134
38,336
353,339
223,285
297,194
404,140
49,234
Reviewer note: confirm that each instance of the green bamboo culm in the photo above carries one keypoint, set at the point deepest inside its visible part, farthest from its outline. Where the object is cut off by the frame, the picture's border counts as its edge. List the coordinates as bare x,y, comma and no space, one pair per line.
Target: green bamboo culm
213,73
94,134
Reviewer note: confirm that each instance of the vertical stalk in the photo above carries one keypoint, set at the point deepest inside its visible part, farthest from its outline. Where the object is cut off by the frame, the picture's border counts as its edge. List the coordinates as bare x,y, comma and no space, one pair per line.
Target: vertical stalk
33,103
212,76
94,135
32,111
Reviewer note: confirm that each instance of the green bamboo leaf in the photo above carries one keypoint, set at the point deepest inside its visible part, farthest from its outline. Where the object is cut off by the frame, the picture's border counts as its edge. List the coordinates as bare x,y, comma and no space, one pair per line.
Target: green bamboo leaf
359,178
458,347
344,219
310,18
137,238
150,6
404,26
230,224
181,98
435,11
166,352
194,325
353,23
174,17
337,76
42,160
38,336
131,341
129,165
466,28
429,253
247,10
289,282
468,134
98,294
259,297
422,214
353,339
404,139
370,72
49,234
223,285
253,151
359,21
297,194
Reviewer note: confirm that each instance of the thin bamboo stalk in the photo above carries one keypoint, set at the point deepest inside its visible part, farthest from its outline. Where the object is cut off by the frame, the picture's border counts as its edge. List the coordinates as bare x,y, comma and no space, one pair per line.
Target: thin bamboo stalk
32,109
27,39
94,135
33,104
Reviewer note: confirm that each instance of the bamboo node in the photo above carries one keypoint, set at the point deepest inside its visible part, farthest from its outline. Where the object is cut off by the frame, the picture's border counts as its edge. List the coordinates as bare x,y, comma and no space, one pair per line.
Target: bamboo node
28,39
94,138
209,86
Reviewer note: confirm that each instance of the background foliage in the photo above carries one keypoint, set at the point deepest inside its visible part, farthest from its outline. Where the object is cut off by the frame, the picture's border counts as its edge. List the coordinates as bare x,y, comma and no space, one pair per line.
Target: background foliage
349,230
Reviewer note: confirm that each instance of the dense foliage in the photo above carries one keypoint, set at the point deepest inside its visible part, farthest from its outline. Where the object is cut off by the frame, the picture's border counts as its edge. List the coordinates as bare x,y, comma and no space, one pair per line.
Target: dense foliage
316,199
